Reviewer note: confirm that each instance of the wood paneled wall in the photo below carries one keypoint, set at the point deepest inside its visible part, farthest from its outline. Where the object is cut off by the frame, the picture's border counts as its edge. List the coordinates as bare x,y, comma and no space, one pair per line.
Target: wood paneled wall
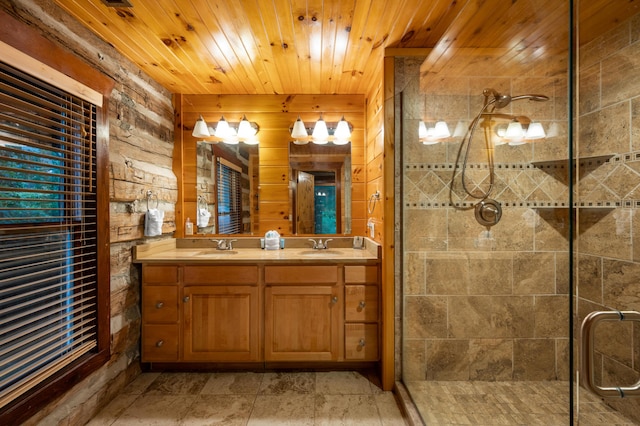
275,114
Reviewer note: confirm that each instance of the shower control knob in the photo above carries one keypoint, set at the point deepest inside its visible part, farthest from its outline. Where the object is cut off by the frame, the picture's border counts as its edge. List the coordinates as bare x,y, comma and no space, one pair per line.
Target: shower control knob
488,212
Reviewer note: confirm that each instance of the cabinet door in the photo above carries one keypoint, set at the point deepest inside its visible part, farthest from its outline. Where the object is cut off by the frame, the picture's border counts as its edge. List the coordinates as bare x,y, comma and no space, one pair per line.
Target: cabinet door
221,323
302,323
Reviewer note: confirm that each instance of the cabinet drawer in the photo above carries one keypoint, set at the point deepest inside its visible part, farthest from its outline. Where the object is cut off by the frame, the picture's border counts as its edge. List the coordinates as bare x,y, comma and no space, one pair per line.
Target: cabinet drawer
361,342
159,304
246,274
159,342
361,303
361,274
315,274
159,274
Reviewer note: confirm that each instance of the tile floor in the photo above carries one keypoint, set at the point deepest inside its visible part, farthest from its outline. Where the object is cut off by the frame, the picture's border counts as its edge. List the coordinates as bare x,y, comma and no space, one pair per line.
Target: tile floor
246,398
507,403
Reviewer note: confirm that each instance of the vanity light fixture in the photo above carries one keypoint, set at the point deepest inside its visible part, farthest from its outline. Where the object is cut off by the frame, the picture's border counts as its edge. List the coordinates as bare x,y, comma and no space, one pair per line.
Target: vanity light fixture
519,131
322,133
227,132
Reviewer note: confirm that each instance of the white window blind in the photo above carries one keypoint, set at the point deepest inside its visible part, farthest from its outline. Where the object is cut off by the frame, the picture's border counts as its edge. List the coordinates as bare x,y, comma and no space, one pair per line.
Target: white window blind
48,247
229,198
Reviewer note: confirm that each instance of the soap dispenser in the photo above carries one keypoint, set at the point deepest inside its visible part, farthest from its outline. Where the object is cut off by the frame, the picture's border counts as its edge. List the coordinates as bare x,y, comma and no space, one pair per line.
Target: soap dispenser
188,227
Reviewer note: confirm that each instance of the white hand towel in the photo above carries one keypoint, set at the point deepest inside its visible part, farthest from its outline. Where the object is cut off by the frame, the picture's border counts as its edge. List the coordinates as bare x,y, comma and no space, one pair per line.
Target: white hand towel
153,222
203,218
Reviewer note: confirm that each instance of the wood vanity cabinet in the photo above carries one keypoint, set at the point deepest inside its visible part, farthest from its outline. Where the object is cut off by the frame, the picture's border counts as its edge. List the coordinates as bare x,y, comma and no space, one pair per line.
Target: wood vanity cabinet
303,310
247,313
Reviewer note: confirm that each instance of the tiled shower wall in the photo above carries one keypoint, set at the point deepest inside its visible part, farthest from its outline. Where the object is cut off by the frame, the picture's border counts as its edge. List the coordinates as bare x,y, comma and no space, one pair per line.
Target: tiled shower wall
482,305
608,242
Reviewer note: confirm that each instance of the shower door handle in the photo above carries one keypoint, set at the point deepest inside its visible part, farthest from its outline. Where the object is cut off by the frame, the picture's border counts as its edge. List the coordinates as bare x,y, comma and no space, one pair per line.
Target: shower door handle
586,353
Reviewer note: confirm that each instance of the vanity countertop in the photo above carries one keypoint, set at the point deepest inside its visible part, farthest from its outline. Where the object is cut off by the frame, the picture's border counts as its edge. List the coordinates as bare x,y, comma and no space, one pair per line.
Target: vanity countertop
204,251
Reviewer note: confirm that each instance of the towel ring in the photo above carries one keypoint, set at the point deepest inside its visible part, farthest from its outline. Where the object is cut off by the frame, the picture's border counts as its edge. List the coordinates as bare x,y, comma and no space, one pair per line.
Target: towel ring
150,196
202,202
371,205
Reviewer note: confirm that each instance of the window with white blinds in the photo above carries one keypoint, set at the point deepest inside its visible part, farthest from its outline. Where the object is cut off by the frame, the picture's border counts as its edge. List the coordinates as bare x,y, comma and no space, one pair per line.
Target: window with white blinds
48,231
229,198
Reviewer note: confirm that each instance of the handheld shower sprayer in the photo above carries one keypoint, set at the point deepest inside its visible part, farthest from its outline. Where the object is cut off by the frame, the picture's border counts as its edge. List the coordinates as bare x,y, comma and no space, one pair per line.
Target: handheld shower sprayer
488,211
501,101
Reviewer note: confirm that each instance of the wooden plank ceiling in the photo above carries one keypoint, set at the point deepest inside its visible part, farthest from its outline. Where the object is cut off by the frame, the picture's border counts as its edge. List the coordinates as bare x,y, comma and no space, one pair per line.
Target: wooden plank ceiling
322,46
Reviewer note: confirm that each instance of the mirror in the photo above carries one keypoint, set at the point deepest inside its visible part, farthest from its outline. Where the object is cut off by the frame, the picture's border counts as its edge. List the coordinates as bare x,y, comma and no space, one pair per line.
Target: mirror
227,181
321,188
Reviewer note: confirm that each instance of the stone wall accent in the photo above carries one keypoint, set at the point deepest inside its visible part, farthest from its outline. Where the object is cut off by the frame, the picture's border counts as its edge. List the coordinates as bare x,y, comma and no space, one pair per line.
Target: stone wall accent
140,155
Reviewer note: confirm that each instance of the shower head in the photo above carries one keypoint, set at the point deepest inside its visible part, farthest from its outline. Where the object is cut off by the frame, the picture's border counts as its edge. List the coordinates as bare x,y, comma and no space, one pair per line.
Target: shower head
501,101
536,98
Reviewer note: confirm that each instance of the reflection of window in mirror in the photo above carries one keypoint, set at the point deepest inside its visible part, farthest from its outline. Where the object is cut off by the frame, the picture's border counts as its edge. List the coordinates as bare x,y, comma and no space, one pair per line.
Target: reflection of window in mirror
321,188
229,197
226,188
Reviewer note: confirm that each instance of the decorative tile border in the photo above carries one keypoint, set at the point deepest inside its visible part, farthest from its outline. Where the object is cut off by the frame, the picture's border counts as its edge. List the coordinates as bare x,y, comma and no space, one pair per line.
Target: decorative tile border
590,162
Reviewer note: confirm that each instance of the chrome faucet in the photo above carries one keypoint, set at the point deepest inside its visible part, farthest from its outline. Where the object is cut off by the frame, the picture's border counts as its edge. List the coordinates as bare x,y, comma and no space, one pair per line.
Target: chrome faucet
319,245
224,244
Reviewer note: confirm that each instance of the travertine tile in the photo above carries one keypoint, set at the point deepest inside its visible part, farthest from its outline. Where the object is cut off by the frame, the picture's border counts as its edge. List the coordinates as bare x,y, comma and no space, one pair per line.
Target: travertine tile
346,410
425,316
288,383
141,383
289,409
114,410
534,273
178,384
223,410
621,285
534,359
156,410
342,383
232,383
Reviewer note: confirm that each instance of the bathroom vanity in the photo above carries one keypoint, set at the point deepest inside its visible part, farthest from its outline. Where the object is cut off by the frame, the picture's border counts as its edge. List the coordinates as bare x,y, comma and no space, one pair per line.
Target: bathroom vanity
249,305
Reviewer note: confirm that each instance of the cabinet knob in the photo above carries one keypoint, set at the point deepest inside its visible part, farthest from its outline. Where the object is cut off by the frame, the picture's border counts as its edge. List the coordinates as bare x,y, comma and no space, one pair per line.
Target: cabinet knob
159,305
159,343
362,304
185,299
362,342
334,299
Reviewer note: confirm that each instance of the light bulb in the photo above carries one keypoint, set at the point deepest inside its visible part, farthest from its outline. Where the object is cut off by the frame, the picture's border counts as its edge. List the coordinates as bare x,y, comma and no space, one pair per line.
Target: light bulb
514,131
245,130
320,131
342,130
422,130
441,131
535,131
222,129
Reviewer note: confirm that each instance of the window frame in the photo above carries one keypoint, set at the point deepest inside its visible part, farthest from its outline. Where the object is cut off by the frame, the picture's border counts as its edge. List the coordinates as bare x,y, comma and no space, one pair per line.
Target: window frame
28,40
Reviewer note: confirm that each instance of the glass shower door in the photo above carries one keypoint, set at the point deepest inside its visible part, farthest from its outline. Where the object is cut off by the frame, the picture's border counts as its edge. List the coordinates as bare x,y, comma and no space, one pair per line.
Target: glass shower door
607,244
486,218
